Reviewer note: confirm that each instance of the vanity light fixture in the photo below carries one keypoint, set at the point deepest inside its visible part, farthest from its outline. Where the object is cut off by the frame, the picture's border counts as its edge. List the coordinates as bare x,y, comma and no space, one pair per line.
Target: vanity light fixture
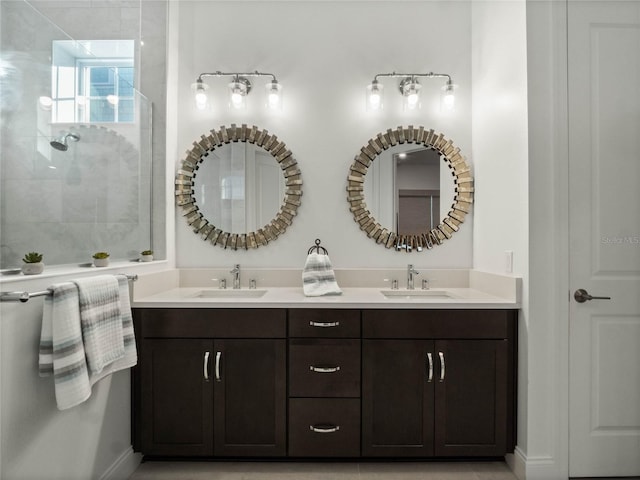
410,89
239,88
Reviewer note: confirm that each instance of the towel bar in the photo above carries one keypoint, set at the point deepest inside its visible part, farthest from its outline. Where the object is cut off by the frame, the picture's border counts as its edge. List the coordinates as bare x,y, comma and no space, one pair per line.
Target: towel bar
25,296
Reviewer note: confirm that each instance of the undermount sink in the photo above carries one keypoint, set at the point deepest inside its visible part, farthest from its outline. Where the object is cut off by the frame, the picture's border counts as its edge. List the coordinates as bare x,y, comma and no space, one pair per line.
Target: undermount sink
230,293
435,294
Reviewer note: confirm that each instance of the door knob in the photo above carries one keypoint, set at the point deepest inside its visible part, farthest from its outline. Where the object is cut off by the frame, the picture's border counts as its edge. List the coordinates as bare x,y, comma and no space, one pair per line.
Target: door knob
581,296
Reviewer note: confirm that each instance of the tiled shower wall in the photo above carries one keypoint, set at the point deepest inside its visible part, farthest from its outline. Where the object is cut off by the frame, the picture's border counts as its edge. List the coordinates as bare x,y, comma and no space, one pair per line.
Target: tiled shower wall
100,195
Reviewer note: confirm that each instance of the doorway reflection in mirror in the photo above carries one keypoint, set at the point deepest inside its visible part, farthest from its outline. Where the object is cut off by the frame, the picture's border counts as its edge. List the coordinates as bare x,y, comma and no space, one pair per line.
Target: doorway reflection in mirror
403,188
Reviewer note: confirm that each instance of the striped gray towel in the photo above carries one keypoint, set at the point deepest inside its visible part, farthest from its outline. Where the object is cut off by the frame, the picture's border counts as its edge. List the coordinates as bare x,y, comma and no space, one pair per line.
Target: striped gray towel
130,357
101,320
62,352
61,348
318,278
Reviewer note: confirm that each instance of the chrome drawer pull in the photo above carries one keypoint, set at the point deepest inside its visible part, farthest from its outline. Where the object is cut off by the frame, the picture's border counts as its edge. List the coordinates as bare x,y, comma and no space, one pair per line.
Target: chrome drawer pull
324,324
218,355
206,366
324,428
442,367
324,369
430,358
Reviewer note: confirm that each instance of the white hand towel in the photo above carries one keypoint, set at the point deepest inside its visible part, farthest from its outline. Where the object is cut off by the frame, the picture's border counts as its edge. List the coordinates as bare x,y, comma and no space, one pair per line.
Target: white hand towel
318,277
101,320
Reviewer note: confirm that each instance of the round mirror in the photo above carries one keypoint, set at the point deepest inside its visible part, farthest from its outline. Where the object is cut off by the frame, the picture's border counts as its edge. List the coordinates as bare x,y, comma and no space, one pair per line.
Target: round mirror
231,187
410,188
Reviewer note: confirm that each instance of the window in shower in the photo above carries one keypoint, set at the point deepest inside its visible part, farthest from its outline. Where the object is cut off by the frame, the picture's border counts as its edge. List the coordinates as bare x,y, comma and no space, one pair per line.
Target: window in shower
93,81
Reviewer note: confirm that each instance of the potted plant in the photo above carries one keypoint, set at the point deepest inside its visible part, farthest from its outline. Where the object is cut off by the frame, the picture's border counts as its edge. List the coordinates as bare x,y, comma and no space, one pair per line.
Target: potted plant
146,255
32,263
101,259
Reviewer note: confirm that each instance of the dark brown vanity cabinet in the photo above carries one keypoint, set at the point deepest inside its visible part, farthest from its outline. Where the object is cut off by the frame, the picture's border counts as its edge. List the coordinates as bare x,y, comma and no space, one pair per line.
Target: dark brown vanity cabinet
438,383
210,382
325,382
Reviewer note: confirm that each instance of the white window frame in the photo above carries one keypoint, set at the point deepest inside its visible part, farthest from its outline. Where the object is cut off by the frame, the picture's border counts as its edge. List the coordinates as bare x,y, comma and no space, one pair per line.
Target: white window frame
83,88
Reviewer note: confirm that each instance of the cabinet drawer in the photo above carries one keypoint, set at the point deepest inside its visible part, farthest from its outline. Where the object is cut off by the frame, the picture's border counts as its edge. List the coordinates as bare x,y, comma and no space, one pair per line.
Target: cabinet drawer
324,368
210,323
328,323
324,427
477,324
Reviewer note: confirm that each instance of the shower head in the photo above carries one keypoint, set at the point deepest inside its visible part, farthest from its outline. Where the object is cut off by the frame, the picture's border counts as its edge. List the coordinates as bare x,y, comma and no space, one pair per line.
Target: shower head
61,142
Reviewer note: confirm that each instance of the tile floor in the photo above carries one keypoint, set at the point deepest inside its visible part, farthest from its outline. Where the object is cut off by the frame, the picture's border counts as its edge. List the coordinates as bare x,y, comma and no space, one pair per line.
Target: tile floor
165,470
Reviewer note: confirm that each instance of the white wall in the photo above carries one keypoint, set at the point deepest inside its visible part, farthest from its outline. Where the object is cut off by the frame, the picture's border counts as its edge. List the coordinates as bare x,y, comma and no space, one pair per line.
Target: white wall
499,124
324,53
90,441
547,416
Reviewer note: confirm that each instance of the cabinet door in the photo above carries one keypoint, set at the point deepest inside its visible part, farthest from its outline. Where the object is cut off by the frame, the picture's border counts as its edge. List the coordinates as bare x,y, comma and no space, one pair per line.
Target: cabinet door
250,397
397,398
176,398
471,398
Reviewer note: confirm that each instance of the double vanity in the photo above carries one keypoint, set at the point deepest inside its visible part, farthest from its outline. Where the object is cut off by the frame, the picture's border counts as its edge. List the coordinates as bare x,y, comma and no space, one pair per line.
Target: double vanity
394,367
376,372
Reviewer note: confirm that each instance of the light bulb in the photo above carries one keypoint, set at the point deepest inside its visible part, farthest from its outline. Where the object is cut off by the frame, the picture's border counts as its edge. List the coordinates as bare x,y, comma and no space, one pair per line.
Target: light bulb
274,99
237,99
200,94
449,100
201,100
238,91
448,96
374,96
274,95
113,99
412,100
411,92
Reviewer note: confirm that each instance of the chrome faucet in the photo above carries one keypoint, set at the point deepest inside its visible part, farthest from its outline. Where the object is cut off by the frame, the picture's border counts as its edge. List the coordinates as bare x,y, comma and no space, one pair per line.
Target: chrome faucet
236,276
410,273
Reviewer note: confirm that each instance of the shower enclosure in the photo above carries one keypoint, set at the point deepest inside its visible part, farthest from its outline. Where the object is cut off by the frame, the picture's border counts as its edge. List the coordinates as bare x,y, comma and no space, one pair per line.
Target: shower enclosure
76,156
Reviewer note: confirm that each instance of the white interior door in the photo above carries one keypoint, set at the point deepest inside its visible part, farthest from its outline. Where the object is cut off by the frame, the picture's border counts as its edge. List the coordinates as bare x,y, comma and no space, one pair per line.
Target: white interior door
604,171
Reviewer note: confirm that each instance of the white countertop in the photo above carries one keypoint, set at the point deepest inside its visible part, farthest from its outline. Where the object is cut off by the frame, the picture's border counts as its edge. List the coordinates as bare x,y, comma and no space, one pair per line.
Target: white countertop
293,297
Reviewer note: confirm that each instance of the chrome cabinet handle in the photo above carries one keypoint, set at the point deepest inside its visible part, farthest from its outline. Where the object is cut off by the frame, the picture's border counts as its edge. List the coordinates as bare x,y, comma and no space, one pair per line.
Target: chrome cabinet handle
324,428
206,366
442,366
430,359
324,324
324,369
218,355
581,296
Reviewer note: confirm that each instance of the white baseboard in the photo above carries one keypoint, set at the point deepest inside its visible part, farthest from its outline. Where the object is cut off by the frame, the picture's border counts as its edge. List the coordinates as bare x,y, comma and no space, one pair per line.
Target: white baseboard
123,467
535,468
517,463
